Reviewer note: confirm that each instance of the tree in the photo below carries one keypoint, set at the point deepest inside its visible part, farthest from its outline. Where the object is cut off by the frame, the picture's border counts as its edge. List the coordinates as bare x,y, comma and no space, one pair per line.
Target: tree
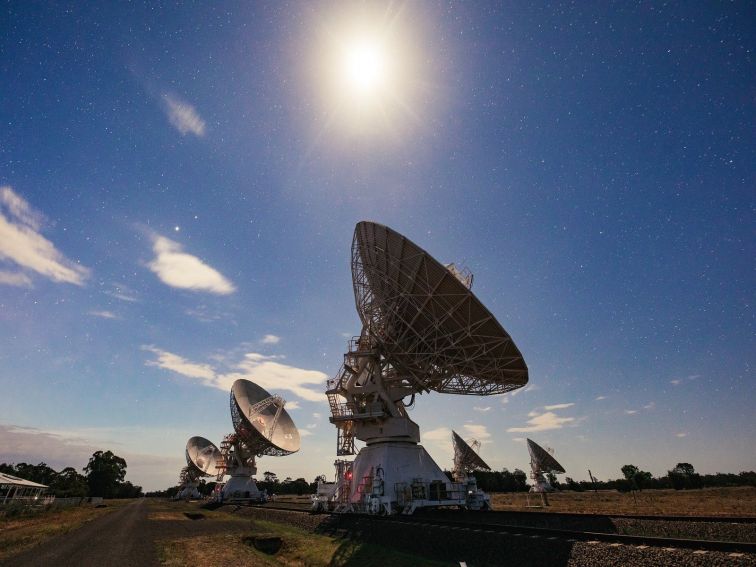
629,471
684,476
69,483
636,478
270,476
105,472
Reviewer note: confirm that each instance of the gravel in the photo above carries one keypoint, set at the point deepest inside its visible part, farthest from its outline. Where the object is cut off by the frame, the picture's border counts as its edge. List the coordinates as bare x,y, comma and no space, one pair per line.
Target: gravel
479,548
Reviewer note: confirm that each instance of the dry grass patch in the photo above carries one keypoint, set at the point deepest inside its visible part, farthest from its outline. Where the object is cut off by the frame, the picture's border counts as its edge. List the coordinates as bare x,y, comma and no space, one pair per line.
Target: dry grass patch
734,501
21,533
300,548
167,510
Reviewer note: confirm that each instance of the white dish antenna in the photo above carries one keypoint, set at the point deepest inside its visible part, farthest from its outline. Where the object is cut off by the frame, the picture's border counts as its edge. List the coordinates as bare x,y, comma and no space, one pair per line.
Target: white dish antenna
202,456
542,462
466,459
261,427
423,330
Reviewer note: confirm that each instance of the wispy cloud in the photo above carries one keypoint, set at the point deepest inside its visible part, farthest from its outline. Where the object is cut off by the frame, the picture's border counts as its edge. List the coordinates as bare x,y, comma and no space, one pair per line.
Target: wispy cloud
482,409
542,422
271,340
479,432
183,116
103,314
631,411
122,292
305,432
180,365
599,398
558,406
22,245
178,269
293,405
676,381
17,279
438,434
649,406
681,434
317,415
266,371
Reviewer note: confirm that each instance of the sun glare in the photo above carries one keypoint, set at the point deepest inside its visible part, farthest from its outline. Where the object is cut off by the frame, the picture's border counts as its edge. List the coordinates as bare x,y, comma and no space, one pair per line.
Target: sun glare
365,66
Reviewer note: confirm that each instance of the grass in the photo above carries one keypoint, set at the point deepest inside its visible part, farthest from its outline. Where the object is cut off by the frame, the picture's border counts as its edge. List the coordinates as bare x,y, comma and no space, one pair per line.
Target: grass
300,548
22,532
172,511
734,501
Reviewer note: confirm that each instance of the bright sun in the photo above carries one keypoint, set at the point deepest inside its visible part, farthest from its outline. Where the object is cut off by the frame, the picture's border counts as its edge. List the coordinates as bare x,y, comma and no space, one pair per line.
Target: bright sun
364,66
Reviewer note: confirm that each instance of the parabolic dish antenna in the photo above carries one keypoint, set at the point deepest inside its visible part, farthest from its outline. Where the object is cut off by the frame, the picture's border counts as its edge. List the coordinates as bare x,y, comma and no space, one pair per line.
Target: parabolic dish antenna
261,421
465,458
426,322
262,427
422,330
202,455
544,462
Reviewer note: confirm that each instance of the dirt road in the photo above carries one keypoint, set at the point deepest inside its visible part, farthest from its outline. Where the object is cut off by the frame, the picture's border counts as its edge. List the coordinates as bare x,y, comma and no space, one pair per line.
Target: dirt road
125,537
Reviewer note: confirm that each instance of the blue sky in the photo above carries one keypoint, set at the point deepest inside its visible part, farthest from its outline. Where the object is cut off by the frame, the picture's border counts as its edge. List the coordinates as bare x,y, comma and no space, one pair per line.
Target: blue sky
180,186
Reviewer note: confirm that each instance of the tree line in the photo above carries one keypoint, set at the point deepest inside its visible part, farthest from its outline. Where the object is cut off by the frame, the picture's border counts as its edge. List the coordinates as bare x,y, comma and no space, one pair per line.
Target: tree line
682,476
104,475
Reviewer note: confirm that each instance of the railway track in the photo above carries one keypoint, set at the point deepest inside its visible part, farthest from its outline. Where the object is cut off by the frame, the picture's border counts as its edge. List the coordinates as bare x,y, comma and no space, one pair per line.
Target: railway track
571,515
586,536
562,534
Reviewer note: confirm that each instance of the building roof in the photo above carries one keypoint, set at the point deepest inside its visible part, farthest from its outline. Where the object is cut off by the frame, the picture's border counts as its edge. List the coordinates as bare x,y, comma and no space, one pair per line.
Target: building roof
16,481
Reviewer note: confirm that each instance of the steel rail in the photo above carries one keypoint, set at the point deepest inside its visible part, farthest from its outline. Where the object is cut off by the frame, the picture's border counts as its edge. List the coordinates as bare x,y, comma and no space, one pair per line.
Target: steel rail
578,515
650,541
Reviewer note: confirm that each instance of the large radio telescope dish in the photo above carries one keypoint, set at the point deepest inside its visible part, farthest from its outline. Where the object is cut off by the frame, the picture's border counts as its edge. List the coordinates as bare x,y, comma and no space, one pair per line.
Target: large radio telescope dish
542,460
425,322
261,422
202,456
465,459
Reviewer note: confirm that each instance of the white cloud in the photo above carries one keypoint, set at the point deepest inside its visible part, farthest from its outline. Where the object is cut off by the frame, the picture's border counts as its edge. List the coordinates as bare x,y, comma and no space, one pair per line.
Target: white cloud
482,410
438,434
293,405
304,433
183,116
17,279
22,245
122,292
263,370
631,411
179,269
681,434
103,314
676,382
504,400
649,406
316,415
694,376
271,340
479,432
180,365
542,422
311,425
599,398
518,439
558,406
